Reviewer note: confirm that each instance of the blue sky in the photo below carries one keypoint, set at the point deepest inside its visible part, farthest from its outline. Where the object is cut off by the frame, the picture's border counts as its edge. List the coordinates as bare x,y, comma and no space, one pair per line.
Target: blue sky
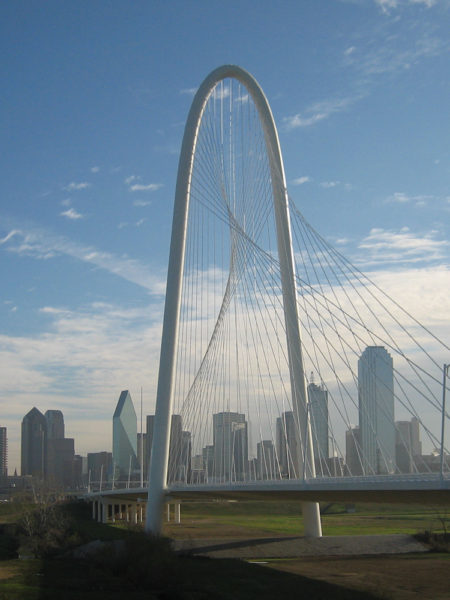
93,105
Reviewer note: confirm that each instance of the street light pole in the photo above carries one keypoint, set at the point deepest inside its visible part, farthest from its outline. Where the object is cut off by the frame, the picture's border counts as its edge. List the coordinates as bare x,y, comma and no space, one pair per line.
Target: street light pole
445,371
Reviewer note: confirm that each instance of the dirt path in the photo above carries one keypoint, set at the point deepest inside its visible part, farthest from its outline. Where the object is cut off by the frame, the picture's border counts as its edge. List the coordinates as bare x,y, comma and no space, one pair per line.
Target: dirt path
410,577
290,546
392,567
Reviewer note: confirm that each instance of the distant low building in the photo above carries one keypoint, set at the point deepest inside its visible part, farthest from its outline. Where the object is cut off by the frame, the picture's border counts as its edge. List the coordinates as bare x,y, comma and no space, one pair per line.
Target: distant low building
99,465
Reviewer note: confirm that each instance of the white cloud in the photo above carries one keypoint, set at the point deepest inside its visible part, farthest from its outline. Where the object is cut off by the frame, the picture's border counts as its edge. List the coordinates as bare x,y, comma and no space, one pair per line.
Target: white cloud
150,187
398,197
404,246
80,364
72,214
134,186
140,222
243,98
319,111
10,235
95,169
393,54
43,245
329,184
385,5
388,5
189,91
332,184
304,121
141,203
73,186
221,91
402,198
301,180
387,50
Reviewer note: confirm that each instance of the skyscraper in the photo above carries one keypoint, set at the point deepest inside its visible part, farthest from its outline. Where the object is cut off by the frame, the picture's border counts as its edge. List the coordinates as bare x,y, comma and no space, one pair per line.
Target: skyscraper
318,406
230,440
353,451
3,452
175,448
55,424
376,410
142,452
150,421
60,461
408,445
125,435
208,462
265,460
185,469
34,444
287,445
60,450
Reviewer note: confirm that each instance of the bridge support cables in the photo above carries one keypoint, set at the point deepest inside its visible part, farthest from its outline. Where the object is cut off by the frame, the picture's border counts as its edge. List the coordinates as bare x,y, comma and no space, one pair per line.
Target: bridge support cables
281,362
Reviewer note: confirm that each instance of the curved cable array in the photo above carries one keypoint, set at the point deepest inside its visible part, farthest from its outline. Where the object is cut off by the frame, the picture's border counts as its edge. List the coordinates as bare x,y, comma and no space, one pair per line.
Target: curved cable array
375,384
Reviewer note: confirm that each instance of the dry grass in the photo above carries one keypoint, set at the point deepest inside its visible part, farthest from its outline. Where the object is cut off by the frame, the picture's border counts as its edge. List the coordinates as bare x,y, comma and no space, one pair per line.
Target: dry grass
411,577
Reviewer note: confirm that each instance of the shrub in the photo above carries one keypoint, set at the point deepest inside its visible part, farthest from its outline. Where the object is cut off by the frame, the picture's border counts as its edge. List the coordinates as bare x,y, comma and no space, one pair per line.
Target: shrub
9,544
144,561
437,542
46,529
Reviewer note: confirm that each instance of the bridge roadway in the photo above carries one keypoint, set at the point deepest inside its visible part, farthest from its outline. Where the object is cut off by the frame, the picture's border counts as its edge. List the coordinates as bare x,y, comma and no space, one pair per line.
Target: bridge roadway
405,489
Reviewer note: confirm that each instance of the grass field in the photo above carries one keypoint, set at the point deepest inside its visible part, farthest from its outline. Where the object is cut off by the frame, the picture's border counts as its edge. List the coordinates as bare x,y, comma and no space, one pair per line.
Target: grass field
149,569
255,519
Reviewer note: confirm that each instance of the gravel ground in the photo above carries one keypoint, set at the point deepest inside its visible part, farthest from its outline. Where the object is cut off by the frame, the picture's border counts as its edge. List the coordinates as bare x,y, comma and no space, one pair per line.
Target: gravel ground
288,547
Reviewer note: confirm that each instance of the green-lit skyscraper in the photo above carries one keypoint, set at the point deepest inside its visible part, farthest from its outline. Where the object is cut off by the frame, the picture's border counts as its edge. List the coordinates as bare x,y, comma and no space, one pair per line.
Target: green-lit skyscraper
125,435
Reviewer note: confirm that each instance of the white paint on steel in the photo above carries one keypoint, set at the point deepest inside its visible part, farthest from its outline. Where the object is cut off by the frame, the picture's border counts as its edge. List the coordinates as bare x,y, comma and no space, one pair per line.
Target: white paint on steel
160,448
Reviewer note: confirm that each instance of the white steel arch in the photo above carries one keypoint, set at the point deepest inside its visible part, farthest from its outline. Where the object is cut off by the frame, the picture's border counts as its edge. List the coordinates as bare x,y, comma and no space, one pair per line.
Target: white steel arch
161,438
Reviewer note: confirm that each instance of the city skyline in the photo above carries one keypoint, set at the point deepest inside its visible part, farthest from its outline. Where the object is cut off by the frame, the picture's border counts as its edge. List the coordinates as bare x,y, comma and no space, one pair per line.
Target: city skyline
94,120
48,455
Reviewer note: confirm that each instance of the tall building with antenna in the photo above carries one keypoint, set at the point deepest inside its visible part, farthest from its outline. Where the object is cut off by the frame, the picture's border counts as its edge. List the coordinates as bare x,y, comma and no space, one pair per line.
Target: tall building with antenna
3,452
230,440
318,407
376,410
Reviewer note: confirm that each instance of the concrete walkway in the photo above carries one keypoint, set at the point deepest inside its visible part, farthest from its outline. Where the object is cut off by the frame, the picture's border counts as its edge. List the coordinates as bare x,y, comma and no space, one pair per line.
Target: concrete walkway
289,547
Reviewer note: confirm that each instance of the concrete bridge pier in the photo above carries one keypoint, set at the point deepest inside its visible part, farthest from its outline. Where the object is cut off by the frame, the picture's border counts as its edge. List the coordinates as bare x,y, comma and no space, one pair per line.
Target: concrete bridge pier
104,511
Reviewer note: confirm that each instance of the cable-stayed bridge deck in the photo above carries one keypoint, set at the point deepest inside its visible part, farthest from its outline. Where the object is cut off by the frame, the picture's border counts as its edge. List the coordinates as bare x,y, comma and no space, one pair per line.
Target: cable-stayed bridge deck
282,365
408,489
